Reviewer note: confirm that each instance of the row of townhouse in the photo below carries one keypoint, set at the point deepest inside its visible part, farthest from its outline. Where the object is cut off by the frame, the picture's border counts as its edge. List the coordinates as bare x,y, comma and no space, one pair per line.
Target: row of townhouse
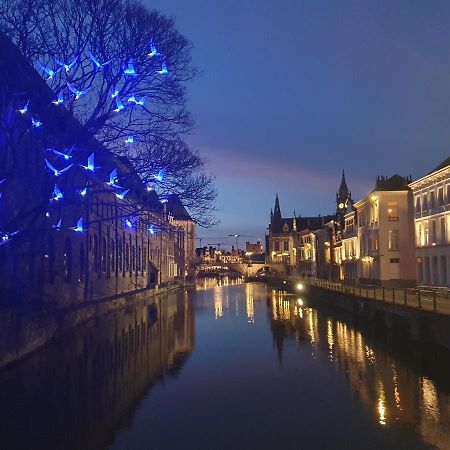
397,235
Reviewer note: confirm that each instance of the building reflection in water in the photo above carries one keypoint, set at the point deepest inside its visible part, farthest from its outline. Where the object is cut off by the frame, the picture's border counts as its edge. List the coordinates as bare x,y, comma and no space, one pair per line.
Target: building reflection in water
396,391
77,394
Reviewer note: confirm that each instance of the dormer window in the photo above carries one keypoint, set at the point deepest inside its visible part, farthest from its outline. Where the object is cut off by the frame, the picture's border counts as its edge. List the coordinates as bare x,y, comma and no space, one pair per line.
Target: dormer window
285,227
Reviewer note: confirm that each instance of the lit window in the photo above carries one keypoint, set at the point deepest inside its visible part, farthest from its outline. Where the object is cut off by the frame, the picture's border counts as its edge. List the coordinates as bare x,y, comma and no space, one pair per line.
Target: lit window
392,211
394,240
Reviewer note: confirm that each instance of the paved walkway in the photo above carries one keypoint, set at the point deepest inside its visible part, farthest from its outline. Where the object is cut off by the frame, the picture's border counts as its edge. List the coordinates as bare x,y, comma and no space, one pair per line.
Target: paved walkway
429,300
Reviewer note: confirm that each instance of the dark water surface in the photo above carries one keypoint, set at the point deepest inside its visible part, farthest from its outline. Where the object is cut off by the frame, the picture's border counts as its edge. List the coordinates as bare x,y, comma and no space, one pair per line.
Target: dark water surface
227,367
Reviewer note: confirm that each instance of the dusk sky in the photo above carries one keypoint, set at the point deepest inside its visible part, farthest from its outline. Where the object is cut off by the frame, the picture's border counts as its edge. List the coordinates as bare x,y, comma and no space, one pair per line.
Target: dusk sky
292,92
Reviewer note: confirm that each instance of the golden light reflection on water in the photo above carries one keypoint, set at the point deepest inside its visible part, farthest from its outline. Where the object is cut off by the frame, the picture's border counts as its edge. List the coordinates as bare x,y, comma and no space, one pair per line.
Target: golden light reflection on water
250,303
381,404
394,392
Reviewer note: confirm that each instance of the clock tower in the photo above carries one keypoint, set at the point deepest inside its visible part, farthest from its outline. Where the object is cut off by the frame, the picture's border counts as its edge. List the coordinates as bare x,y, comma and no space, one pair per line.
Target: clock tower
343,199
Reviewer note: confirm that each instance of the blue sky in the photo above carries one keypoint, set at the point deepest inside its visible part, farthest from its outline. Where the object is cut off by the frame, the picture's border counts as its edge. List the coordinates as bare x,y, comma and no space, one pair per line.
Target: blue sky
292,92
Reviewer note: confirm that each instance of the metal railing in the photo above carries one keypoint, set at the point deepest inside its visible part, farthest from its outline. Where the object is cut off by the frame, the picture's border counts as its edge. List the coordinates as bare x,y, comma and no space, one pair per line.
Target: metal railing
423,297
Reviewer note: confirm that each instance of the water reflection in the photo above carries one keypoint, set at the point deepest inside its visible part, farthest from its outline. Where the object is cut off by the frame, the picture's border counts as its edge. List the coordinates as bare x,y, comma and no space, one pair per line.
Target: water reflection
396,394
75,395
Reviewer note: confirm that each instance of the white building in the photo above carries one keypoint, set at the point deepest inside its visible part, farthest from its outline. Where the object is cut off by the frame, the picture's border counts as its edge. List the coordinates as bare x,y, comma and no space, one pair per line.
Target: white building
431,220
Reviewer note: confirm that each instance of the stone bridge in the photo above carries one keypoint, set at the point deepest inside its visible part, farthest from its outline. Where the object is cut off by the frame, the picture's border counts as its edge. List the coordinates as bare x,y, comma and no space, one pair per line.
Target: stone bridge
249,269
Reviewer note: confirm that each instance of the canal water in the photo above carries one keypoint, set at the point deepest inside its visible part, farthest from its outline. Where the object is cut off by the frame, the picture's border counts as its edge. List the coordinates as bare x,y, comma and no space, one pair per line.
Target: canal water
227,366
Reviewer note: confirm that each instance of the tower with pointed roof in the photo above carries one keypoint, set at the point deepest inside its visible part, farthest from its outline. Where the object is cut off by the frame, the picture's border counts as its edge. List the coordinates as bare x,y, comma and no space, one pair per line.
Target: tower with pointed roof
343,198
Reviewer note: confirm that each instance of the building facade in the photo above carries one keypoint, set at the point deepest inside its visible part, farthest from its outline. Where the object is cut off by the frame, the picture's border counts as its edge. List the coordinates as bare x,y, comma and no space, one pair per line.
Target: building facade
431,195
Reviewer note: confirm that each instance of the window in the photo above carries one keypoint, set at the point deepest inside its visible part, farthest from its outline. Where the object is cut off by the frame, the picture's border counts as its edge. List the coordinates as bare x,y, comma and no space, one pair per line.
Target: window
276,246
432,200
393,240
286,246
133,258
433,232
448,193
425,202
440,196
443,230
418,204
395,260
67,260
392,211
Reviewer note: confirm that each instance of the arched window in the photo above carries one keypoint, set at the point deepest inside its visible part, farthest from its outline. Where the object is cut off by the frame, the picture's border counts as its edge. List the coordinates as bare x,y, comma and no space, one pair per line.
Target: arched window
81,263
104,254
67,260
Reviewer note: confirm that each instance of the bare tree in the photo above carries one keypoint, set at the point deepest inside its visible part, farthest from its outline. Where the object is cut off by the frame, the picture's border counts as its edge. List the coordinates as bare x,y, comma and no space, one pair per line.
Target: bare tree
121,70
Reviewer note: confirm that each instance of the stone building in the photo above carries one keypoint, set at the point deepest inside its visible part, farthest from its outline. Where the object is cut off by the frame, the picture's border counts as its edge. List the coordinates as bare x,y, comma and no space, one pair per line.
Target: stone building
431,194
71,238
385,233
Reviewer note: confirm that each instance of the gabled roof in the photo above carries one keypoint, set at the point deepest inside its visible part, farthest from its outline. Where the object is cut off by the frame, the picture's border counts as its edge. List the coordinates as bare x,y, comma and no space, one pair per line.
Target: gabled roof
177,209
441,166
303,223
394,183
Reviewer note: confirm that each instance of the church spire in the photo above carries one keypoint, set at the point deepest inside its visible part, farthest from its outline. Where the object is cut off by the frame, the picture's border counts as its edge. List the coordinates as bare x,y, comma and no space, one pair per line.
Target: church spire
277,210
343,188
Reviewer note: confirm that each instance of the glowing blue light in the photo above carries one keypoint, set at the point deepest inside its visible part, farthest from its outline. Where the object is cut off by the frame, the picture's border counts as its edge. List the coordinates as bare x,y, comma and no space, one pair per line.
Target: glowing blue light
129,140
149,188
119,105
122,195
139,102
153,51
90,163
163,70
160,175
128,223
66,67
97,63
66,155
164,200
36,123
6,237
57,194
79,226
47,70
83,192
24,109
55,171
129,70
151,230
59,100
115,93
58,225
47,214
76,91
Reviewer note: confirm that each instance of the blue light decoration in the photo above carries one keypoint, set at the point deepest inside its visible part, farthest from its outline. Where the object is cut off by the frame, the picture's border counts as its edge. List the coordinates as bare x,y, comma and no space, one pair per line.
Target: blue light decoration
119,105
66,156
66,67
24,109
79,226
55,171
151,230
90,164
149,188
83,192
139,102
57,194
164,200
97,63
129,222
122,195
163,70
58,226
160,175
6,237
129,140
76,91
47,214
35,123
115,93
2,181
113,179
47,70
129,70
153,51
59,100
